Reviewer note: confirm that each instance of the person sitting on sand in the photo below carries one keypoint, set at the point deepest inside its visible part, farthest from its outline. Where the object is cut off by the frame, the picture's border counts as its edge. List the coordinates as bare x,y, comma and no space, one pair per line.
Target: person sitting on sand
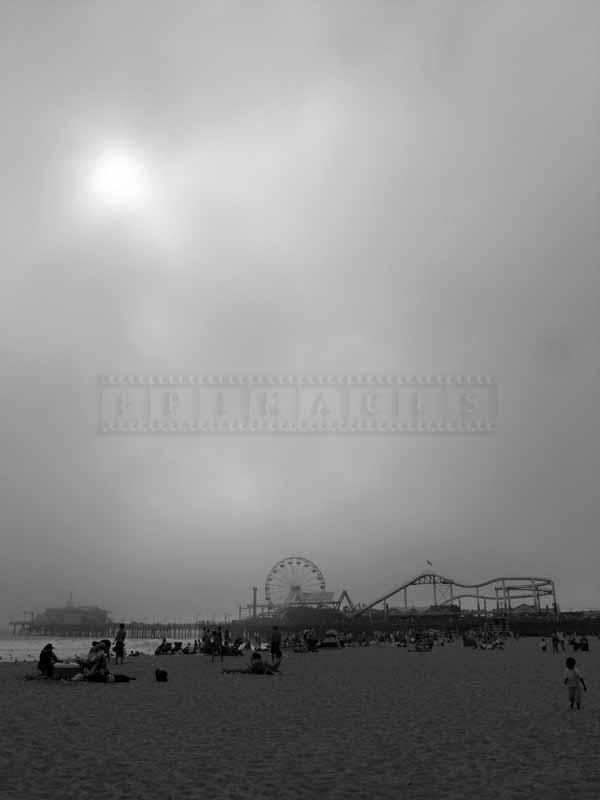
162,648
95,649
97,666
102,644
256,667
47,661
98,654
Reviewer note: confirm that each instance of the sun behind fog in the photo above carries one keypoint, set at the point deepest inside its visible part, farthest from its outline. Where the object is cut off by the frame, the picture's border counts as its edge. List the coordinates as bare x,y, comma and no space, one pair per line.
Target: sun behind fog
119,180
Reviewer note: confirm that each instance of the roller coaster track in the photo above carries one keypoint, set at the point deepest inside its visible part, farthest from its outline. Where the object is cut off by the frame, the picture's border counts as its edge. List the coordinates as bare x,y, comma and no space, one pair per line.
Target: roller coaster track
533,586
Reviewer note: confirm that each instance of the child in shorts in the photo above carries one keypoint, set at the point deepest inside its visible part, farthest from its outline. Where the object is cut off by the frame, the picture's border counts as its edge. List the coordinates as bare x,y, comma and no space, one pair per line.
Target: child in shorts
573,681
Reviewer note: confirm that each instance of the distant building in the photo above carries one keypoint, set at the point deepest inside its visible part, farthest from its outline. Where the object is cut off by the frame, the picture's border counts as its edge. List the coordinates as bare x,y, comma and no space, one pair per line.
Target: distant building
445,609
298,597
408,612
524,609
75,616
313,598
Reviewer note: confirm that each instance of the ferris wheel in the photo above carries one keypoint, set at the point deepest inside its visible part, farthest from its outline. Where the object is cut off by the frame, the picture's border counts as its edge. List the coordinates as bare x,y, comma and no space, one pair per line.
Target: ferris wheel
289,580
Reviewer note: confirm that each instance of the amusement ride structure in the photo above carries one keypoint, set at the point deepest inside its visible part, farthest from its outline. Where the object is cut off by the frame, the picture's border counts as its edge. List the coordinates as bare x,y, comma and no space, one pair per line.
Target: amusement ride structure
448,593
297,582
294,582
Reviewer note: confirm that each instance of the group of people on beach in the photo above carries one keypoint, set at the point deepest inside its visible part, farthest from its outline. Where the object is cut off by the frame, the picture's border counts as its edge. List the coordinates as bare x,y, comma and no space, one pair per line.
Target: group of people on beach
257,666
486,640
216,643
95,666
560,641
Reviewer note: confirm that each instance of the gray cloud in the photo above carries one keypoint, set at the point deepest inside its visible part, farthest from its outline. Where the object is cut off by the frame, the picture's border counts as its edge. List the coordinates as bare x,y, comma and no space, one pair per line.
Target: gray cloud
399,187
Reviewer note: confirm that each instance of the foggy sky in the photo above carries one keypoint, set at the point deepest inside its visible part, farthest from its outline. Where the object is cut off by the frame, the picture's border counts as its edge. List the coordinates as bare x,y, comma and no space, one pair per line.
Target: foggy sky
340,187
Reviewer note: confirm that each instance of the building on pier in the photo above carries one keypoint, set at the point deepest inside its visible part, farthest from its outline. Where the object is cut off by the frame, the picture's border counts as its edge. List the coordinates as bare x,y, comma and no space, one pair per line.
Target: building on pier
91,617
69,620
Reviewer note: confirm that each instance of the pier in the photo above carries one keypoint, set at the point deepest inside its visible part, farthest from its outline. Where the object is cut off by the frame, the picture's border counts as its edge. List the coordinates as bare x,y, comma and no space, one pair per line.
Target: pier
183,631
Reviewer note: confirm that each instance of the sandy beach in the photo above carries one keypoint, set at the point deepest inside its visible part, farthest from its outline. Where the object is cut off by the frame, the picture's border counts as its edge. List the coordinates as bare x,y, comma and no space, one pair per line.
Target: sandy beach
360,722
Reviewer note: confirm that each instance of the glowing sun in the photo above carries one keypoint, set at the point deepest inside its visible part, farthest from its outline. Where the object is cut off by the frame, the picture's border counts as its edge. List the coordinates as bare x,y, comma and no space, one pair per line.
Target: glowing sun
119,180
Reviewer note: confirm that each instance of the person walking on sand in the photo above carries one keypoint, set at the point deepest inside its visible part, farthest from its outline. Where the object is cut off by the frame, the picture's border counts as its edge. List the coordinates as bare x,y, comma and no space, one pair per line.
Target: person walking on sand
220,642
573,681
216,644
120,644
276,654
555,642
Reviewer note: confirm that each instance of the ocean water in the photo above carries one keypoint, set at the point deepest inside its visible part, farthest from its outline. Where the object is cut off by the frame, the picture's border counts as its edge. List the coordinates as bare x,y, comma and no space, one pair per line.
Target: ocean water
27,648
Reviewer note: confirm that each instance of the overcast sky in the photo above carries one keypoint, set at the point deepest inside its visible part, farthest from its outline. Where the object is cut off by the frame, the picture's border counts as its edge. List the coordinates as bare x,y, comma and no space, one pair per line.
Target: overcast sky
335,187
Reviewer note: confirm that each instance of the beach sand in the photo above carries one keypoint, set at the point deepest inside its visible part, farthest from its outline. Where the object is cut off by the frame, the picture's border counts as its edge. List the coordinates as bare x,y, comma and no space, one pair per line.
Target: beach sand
376,722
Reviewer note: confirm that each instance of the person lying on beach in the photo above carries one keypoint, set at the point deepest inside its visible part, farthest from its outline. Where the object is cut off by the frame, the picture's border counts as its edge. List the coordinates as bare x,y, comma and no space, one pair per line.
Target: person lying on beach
111,678
48,659
98,670
257,667
108,678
